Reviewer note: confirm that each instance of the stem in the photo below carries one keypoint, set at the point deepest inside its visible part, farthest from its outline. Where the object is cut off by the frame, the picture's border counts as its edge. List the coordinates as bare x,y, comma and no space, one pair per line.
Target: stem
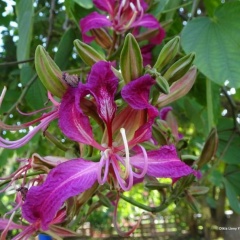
15,62
160,208
176,8
55,141
28,175
209,104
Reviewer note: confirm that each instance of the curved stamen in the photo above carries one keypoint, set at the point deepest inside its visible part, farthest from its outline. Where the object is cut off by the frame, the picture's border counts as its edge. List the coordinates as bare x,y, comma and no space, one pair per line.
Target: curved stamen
119,231
54,102
122,5
104,163
2,95
18,143
5,231
32,113
144,171
134,16
18,173
127,157
125,186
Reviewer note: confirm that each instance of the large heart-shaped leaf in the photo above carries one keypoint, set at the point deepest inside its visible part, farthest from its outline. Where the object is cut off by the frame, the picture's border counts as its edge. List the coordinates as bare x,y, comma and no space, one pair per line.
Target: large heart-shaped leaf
216,42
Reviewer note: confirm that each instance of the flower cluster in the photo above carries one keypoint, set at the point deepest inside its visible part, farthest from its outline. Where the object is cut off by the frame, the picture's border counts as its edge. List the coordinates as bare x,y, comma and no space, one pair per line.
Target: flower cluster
113,112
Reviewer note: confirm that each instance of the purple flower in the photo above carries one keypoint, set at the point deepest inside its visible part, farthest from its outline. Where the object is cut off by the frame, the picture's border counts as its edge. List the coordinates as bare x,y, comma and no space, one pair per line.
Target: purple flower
117,166
123,15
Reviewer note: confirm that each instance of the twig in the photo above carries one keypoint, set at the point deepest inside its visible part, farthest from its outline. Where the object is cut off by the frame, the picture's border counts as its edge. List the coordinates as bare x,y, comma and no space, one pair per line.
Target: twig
51,21
15,62
233,108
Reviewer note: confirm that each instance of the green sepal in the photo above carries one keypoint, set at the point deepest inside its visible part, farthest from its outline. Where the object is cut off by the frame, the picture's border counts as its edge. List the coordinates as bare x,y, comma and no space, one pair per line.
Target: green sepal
131,62
168,52
162,84
49,73
209,148
88,54
179,68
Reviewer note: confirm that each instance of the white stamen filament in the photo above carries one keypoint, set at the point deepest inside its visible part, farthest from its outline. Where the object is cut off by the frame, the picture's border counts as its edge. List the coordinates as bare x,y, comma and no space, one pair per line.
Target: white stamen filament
123,3
2,95
134,16
103,164
139,5
127,157
133,7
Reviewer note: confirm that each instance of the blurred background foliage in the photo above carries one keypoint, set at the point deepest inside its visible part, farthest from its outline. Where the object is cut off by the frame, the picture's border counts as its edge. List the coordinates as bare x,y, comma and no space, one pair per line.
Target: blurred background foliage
209,28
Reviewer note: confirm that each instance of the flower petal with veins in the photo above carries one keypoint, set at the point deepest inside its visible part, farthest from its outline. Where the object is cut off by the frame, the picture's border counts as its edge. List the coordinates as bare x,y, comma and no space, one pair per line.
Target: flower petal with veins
66,180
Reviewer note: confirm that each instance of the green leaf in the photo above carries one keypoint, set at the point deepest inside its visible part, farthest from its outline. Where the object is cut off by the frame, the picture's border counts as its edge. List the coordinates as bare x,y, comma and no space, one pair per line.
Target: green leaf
211,6
232,174
26,73
229,145
84,3
232,196
75,11
216,44
131,62
156,7
36,95
65,48
25,12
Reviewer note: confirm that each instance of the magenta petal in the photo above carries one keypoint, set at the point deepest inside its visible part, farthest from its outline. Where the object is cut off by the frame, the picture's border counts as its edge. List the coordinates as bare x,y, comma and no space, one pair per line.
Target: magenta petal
148,21
102,84
159,37
164,111
93,21
73,123
105,5
136,94
66,180
163,163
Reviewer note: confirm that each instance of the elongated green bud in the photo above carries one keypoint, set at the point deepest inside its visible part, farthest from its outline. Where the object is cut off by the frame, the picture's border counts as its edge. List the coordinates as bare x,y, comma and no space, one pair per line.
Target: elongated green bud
131,62
49,73
88,54
178,88
162,84
168,52
198,190
192,202
209,148
179,68
102,37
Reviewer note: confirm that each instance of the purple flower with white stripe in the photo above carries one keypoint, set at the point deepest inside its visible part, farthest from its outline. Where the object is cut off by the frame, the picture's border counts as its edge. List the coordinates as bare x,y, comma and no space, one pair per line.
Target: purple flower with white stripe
122,16
122,158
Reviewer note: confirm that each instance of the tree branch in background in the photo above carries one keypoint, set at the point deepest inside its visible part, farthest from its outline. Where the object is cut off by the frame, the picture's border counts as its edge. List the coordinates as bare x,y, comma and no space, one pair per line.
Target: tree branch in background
16,62
51,21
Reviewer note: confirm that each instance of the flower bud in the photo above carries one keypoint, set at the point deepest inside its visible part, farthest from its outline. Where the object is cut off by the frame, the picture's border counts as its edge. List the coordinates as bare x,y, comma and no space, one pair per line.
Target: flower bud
49,73
131,62
168,52
88,54
179,88
198,190
209,148
102,38
192,202
179,68
162,84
